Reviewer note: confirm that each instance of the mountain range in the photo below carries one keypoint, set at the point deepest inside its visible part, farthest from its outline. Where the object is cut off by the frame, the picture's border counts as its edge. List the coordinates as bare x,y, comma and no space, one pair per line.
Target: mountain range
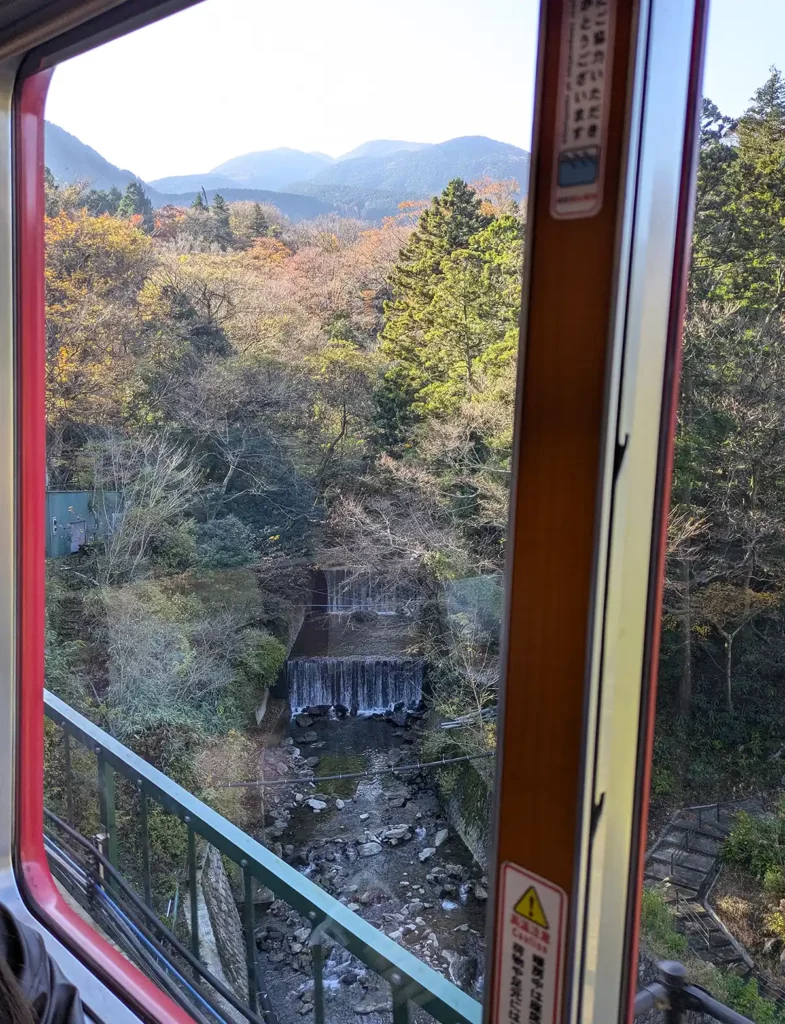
369,181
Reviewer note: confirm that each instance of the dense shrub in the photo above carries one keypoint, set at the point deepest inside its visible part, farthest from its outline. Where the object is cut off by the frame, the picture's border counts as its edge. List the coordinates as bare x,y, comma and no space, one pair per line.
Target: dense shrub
223,543
260,661
658,928
170,663
757,844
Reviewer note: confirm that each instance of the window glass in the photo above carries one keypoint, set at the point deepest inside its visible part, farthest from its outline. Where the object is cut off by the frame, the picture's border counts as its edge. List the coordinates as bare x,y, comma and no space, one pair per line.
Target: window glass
281,354
714,872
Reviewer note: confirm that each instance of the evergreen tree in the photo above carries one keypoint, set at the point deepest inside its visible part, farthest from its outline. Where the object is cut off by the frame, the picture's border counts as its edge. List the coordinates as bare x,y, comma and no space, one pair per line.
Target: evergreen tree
739,246
98,201
52,192
200,201
260,226
445,227
223,230
761,129
115,197
136,203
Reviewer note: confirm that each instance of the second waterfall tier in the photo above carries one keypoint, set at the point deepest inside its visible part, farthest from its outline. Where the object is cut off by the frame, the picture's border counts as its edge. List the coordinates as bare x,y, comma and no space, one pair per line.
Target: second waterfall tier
363,685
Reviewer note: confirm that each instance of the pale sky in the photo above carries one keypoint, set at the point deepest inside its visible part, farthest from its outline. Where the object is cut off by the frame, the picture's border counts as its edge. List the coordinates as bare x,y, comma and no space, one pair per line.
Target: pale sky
231,76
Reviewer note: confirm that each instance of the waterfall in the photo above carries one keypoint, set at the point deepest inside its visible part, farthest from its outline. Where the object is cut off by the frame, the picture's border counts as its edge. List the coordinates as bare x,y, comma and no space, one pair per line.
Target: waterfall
361,684
353,590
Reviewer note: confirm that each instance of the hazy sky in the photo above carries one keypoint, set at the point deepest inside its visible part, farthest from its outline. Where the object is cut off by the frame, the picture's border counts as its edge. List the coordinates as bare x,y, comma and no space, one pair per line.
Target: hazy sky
230,76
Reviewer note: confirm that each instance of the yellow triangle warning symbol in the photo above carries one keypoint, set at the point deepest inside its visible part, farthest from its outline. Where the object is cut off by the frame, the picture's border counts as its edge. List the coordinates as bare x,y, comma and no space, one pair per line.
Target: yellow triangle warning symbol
529,906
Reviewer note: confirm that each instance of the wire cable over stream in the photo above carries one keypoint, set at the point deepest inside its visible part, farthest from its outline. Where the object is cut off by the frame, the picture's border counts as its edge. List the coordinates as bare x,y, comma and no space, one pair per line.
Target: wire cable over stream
260,783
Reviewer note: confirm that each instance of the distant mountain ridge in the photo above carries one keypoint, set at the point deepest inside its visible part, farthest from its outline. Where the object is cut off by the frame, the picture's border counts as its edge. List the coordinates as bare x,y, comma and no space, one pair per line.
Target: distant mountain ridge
268,169
382,147
368,182
424,172
69,159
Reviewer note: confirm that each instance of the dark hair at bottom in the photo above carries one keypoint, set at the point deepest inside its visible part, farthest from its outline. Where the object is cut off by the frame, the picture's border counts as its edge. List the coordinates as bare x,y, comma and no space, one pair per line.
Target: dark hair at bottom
14,1008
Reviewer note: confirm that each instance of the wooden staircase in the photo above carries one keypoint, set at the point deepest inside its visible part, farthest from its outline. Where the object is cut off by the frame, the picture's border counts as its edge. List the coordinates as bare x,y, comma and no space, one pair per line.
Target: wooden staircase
684,862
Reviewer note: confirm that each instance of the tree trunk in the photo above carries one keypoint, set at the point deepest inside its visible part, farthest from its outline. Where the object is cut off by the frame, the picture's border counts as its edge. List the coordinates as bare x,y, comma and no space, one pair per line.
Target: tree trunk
685,497
685,680
729,637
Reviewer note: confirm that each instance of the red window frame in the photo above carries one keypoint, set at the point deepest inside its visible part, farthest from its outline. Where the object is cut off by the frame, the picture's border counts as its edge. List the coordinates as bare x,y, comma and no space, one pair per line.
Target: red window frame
33,873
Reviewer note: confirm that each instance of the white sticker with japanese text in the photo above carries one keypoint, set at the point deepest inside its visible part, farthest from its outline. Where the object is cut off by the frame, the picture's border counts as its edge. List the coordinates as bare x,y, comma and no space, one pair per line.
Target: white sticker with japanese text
530,932
584,98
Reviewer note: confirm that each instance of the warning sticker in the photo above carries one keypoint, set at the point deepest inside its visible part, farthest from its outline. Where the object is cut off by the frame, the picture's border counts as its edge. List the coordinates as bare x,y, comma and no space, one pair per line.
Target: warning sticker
584,98
529,948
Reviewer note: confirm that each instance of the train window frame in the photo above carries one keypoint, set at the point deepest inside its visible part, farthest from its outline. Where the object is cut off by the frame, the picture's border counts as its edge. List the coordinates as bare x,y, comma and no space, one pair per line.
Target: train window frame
23,866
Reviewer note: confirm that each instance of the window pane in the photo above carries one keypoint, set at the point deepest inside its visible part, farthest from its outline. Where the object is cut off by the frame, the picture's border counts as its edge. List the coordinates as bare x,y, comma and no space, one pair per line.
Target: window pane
280,393
715,870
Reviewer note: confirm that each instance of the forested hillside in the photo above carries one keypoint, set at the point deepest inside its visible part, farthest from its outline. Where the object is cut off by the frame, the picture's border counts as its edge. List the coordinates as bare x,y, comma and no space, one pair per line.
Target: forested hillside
721,696
417,173
264,396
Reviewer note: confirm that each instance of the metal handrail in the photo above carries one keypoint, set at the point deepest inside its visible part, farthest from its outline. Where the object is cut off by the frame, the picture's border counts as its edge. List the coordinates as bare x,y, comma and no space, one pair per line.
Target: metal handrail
151,923
675,996
677,853
684,907
410,980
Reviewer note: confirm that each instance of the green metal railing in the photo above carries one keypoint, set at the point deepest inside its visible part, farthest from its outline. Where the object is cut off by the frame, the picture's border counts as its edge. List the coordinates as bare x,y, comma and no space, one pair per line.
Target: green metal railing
412,983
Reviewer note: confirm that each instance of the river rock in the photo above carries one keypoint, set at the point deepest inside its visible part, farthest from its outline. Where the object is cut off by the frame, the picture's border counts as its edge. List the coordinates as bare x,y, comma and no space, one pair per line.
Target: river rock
340,804
263,895
312,761
317,805
350,978
298,798
427,853
365,816
480,892
304,721
463,969
396,834
400,793
372,1004
369,850
301,934
440,837
308,737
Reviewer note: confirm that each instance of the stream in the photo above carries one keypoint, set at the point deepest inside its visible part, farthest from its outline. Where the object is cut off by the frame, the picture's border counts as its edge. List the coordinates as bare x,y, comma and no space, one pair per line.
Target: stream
380,845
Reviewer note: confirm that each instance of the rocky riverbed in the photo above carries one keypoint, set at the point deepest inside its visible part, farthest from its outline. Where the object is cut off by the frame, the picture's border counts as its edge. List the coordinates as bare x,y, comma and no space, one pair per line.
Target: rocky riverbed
377,843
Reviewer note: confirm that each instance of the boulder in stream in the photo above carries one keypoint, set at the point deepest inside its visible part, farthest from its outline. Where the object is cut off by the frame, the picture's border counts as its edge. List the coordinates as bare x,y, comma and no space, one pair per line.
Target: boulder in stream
396,834
369,850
